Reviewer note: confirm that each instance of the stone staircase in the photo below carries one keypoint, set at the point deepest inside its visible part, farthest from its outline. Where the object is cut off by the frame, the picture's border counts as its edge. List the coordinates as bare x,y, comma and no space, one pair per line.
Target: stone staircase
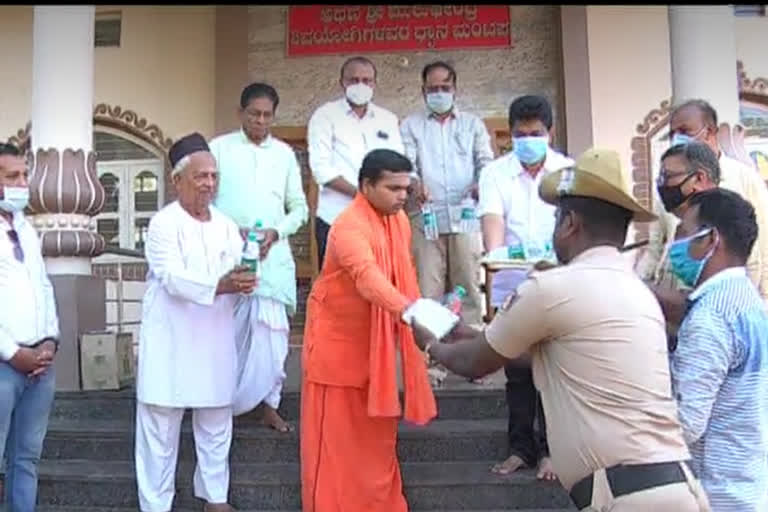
88,466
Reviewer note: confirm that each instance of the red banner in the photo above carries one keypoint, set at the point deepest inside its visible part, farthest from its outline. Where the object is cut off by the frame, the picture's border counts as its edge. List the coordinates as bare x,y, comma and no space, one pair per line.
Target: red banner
330,29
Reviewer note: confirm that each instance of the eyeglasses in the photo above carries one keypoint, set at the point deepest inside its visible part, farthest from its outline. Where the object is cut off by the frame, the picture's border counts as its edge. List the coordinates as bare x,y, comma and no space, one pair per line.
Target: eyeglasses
666,175
18,252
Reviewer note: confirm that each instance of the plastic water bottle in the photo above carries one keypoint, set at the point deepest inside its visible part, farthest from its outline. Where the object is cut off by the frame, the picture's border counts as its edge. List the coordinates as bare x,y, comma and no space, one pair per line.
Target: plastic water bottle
549,252
430,222
467,223
453,299
251,253
516,252
260,235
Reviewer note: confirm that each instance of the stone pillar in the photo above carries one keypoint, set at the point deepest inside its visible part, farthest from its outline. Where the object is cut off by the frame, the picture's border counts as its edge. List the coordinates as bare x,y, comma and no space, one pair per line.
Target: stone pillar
65,192
703,50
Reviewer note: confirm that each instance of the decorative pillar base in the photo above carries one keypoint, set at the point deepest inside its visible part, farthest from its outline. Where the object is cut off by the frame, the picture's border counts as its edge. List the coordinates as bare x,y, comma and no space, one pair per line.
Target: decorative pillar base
81,304
71,265
65,194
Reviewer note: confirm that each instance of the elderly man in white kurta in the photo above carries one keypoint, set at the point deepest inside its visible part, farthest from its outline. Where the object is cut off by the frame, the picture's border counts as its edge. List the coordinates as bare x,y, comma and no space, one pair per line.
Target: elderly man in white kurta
187,347
260,188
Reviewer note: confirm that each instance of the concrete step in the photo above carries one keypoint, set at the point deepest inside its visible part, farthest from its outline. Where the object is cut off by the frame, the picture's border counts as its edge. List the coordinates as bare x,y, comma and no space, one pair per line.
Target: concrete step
463,404
441,440
428,486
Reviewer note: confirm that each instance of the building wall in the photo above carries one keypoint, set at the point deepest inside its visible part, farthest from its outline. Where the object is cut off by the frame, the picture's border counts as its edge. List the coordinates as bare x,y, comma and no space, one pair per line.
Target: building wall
630,74
163,69
16,68
751,45
488,80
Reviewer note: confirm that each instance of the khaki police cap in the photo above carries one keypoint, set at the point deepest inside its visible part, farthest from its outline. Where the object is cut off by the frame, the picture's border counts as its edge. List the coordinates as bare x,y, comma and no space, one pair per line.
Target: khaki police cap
597,174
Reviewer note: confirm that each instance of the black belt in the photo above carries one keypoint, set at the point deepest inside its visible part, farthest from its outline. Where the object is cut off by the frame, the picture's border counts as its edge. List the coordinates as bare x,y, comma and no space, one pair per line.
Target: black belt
626,479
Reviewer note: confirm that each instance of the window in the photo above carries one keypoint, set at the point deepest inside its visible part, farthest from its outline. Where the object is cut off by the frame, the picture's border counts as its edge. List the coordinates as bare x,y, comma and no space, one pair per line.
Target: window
749,10
133,196
108,29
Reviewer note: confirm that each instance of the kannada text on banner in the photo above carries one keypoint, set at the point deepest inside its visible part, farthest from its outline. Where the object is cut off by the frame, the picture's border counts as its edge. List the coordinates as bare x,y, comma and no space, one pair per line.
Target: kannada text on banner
327,29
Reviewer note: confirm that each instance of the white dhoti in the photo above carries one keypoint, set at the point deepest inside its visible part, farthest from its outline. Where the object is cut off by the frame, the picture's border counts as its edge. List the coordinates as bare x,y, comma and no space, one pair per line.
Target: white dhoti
505,282
261,338
157,448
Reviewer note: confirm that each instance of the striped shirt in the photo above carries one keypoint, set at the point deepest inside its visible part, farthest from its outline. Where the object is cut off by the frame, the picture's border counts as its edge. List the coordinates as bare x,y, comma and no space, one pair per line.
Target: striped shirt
720,379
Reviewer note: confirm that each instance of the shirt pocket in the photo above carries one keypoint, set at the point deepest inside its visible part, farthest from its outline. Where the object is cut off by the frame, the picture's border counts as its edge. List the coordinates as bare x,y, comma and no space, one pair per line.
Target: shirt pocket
463,141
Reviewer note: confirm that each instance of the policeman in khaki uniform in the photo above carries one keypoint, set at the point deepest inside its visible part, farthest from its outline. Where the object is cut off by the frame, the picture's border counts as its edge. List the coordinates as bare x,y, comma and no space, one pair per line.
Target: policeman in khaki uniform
596,338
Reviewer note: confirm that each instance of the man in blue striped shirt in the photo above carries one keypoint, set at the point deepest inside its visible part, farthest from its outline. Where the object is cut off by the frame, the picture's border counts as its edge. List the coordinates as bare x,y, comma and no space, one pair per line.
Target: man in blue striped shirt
720,364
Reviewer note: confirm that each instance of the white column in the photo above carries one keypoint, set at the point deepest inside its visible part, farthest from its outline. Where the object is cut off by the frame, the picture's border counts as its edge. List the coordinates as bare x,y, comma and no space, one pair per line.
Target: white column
64,196
703,49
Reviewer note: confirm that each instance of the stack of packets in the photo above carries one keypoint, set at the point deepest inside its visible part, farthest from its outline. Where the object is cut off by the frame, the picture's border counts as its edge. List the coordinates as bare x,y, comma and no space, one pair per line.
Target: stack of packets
433,316
512,264
520,255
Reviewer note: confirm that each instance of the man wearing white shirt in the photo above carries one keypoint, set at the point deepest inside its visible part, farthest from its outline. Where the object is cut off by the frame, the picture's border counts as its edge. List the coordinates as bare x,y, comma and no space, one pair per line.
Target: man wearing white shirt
29,331
187,348
511,213
339,135
448,148
261,183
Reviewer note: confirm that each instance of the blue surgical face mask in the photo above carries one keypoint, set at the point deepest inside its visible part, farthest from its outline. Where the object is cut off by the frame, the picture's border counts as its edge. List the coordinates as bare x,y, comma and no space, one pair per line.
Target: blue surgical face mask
439,102
684,267
15,199
681,138
531,150
684,138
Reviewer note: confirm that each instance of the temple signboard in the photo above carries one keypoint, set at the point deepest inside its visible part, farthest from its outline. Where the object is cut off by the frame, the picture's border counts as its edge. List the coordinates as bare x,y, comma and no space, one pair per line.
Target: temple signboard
333,29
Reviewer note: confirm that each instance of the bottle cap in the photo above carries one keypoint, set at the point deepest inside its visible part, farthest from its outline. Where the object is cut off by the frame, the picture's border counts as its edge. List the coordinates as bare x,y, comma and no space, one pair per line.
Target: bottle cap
460,291
258,224
252,237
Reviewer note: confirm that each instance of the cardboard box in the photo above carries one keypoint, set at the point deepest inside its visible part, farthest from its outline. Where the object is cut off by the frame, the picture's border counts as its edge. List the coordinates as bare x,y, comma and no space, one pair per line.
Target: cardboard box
106,360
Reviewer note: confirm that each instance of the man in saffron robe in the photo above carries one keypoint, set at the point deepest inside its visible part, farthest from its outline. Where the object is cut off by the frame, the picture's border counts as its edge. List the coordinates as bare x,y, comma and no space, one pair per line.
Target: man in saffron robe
349,400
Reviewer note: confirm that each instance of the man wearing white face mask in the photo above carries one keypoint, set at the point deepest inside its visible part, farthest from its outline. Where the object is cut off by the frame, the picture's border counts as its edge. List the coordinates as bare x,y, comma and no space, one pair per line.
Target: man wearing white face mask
339,135
512,213
29,331
448,148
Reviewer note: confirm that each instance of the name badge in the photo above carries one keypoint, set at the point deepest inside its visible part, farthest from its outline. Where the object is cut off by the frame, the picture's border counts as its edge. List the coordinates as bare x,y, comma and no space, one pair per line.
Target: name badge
382,135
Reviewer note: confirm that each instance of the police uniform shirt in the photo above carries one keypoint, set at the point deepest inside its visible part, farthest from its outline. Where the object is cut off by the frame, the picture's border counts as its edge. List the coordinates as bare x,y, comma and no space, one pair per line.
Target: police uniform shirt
599,353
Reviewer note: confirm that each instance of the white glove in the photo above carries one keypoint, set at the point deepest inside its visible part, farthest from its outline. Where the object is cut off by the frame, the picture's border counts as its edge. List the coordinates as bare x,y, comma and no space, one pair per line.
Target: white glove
431,315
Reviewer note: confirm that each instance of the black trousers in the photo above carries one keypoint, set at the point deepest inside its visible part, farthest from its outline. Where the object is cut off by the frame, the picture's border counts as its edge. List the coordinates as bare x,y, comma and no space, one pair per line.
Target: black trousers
526,429
321,235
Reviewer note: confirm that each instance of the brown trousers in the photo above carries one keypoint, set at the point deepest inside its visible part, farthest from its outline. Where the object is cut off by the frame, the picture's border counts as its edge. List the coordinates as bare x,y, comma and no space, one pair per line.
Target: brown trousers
451,260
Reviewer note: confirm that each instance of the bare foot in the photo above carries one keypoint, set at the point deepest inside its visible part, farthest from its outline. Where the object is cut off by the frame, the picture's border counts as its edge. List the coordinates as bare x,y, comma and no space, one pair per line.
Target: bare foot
273,420
545,470
512,464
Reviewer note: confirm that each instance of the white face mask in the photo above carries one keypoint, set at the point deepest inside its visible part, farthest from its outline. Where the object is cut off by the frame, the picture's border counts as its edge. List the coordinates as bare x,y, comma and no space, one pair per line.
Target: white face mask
440,102
359,94
15,199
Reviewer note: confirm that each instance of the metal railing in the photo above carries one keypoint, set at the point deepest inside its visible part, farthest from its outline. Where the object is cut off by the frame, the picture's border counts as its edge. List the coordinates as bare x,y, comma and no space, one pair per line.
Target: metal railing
120,299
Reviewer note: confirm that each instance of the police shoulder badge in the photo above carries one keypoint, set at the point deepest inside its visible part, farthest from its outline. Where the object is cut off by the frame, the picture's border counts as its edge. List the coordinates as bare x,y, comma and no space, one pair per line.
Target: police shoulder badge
511,298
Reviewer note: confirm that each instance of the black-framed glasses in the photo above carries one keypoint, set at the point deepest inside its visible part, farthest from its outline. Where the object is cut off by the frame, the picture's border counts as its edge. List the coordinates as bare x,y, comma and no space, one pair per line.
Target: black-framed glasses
18,252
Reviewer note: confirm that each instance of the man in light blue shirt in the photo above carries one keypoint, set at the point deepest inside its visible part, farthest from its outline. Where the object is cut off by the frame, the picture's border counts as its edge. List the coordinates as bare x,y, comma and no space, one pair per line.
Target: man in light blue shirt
447,147
719,366
260,182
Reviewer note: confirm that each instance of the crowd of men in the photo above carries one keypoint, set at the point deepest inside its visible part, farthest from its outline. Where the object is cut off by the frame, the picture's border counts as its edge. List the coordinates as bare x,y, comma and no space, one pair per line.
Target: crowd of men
653,380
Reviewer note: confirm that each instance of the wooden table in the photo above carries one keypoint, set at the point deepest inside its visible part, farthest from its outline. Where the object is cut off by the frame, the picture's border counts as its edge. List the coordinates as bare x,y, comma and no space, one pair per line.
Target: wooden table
490,268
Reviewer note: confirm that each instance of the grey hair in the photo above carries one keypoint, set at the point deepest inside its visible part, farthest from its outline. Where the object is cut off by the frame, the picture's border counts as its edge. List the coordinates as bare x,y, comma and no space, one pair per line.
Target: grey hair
699,156
180,165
